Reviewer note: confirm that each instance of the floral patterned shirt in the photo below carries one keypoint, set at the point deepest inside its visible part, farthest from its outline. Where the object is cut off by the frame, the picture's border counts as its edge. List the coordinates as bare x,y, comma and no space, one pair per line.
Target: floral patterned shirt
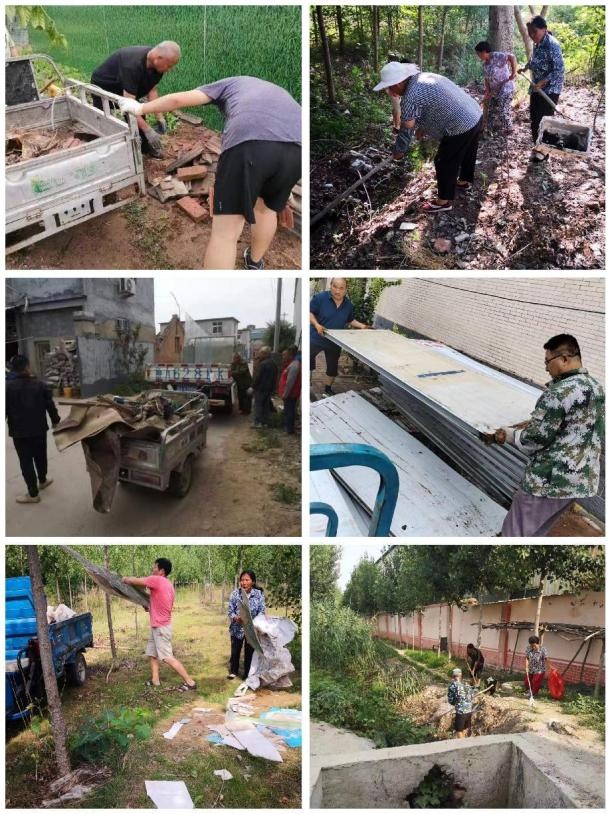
461,696
496,70
536,659
547,63
256,601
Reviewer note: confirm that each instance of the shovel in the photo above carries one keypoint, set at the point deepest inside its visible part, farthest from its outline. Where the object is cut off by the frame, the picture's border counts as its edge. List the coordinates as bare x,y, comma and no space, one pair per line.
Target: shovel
545,97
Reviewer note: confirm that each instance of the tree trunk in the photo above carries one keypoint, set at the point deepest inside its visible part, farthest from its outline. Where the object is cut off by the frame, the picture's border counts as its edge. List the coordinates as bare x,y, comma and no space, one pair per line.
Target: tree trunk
544,11
390,22
441,41
449,629
314,27
527,43
70,592
539,606
375,36
480,627
340,30
133,571
109,612
58,724
440,626
57,589
420,42
501,28
86,594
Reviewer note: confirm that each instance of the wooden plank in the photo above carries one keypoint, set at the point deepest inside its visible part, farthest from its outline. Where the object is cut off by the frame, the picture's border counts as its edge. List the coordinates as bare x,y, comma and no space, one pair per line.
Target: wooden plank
189,118
482,399
434,500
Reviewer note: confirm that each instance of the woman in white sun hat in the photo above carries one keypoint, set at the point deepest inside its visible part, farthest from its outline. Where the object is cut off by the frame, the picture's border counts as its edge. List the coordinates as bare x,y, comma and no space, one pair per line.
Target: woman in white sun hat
443,111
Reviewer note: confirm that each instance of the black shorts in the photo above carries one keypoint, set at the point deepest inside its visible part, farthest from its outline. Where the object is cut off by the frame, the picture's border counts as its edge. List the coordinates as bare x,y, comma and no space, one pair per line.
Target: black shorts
463,720
256,169
332,359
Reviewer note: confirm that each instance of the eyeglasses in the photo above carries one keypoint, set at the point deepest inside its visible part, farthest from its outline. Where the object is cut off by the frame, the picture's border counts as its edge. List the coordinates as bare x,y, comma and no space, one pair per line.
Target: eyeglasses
558,356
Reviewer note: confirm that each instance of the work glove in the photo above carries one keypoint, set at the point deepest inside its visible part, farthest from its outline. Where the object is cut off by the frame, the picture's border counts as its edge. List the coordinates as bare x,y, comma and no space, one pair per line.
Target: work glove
130,106
160,127
249,391
154,140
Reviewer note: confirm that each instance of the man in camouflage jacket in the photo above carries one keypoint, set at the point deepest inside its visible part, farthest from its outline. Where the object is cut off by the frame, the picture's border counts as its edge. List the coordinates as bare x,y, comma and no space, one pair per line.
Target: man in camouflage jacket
563,439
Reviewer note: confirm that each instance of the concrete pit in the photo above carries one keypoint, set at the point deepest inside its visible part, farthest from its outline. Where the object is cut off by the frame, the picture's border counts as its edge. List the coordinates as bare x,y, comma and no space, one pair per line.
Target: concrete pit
495,771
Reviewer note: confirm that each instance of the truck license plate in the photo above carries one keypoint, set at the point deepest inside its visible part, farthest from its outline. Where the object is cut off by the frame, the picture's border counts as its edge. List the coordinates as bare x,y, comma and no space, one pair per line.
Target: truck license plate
73,213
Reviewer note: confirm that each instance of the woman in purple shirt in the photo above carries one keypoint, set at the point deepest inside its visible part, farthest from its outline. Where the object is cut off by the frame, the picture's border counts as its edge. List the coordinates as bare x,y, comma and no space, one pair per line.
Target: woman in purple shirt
259,164
500,69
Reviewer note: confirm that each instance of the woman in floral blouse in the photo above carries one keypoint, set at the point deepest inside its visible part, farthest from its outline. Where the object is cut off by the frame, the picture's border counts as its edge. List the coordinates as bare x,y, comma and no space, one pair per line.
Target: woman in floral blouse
256,602
500,69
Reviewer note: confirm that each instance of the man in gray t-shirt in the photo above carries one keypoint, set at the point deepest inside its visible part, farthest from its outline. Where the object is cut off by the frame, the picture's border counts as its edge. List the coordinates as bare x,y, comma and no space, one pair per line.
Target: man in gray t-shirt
259,165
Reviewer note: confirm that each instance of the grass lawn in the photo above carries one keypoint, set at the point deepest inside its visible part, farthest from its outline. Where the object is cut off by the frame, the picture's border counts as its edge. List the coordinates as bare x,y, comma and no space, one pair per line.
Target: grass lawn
201,643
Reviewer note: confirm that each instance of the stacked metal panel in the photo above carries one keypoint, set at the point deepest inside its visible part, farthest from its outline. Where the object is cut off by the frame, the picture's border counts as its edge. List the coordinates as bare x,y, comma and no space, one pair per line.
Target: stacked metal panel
450,398
433,501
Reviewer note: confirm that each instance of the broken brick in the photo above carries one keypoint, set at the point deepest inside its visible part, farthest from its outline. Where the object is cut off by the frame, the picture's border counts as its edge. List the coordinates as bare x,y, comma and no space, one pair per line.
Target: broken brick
191,173
194,210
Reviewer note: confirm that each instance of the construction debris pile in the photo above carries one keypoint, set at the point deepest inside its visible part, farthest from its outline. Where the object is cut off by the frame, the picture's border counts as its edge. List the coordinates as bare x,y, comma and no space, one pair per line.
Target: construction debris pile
101,422
61,365
188,179
22,145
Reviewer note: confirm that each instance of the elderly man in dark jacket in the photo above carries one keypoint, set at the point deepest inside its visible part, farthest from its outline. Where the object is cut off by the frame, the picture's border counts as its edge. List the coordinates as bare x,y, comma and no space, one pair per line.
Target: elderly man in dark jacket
265,380
28,400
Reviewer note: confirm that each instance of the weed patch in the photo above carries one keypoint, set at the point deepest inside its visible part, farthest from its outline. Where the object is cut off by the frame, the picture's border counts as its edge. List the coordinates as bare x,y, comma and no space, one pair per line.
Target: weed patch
284,493
591,712
148,235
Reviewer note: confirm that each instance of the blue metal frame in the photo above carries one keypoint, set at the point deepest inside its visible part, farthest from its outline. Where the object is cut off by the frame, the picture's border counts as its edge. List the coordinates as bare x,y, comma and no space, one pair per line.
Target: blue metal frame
335,456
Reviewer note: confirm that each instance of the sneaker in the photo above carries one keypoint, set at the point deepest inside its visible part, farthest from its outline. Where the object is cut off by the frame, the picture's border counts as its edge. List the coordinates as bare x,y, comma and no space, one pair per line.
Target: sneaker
28,499
328,391
231,676
256,426
249,263
44,483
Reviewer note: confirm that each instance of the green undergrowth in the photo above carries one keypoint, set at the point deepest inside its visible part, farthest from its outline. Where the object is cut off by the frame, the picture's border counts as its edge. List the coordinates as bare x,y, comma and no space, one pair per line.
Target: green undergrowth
590,712
358,681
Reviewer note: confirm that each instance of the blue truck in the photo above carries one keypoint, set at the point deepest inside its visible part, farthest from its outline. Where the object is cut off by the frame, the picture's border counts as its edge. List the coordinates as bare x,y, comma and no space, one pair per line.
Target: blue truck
69,640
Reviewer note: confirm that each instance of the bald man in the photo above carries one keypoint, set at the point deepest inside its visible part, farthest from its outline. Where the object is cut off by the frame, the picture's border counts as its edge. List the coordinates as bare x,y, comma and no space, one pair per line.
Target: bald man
134,72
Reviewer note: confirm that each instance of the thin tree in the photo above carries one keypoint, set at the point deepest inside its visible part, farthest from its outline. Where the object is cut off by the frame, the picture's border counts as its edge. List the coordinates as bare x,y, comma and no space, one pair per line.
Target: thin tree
441,40
527,43
375,37
340,29
58,723
109,613
314,25
420,41
328,71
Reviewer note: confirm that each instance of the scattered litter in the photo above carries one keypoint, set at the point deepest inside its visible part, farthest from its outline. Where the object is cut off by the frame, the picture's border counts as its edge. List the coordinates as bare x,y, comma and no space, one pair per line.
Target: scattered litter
286,724
175,728
243,735
202,710
407,227
461,237
168,190
169,793
59,614
223,774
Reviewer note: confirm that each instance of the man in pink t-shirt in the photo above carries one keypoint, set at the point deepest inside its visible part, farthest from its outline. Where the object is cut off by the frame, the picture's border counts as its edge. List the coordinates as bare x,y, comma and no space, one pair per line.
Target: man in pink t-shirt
159,647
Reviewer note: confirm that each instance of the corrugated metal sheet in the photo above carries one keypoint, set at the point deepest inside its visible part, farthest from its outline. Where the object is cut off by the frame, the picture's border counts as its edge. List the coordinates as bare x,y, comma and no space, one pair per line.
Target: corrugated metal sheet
434,500
480,398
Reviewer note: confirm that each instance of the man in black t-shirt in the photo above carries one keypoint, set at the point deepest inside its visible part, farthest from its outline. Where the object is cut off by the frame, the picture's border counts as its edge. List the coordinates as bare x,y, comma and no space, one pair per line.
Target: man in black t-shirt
135,72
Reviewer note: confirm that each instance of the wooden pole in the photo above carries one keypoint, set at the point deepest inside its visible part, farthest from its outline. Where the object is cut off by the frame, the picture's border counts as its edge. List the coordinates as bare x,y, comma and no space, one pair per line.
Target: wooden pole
582,667
109,612
329,207
512,661
569,664
598,677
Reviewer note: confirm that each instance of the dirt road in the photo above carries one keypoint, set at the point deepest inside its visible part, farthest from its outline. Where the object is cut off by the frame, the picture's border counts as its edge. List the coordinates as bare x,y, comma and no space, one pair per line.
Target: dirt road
234,492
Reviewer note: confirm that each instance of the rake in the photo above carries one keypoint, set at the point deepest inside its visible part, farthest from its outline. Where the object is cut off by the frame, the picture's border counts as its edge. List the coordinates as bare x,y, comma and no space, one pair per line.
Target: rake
531,702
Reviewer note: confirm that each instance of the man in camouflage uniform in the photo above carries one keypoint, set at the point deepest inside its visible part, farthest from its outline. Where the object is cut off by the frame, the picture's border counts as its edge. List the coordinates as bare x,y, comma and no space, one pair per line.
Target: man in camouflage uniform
460,696
563,439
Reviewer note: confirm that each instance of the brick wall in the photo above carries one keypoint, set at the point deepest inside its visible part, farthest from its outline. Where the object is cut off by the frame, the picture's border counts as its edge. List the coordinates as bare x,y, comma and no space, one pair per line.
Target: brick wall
469,315
423,630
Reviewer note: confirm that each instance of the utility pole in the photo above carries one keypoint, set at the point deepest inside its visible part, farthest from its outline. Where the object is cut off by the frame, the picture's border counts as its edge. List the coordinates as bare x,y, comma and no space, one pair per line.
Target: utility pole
278,316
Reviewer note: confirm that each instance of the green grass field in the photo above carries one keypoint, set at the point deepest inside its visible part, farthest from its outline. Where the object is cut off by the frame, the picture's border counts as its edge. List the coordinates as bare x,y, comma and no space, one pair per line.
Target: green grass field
201,642
216,42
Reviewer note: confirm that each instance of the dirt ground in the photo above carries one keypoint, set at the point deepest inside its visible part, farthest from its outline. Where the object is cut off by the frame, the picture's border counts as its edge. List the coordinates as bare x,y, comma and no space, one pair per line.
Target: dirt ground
245,483
500,715
201,642
518,215
146,234
353,376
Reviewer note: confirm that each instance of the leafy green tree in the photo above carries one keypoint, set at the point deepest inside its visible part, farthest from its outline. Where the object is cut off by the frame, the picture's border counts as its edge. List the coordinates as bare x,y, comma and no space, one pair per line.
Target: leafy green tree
35,17
324,563
361,592
288,333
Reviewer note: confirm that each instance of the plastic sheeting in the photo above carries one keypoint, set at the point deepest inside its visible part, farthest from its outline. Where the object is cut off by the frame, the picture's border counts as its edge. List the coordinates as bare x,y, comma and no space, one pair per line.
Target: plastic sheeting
273,665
